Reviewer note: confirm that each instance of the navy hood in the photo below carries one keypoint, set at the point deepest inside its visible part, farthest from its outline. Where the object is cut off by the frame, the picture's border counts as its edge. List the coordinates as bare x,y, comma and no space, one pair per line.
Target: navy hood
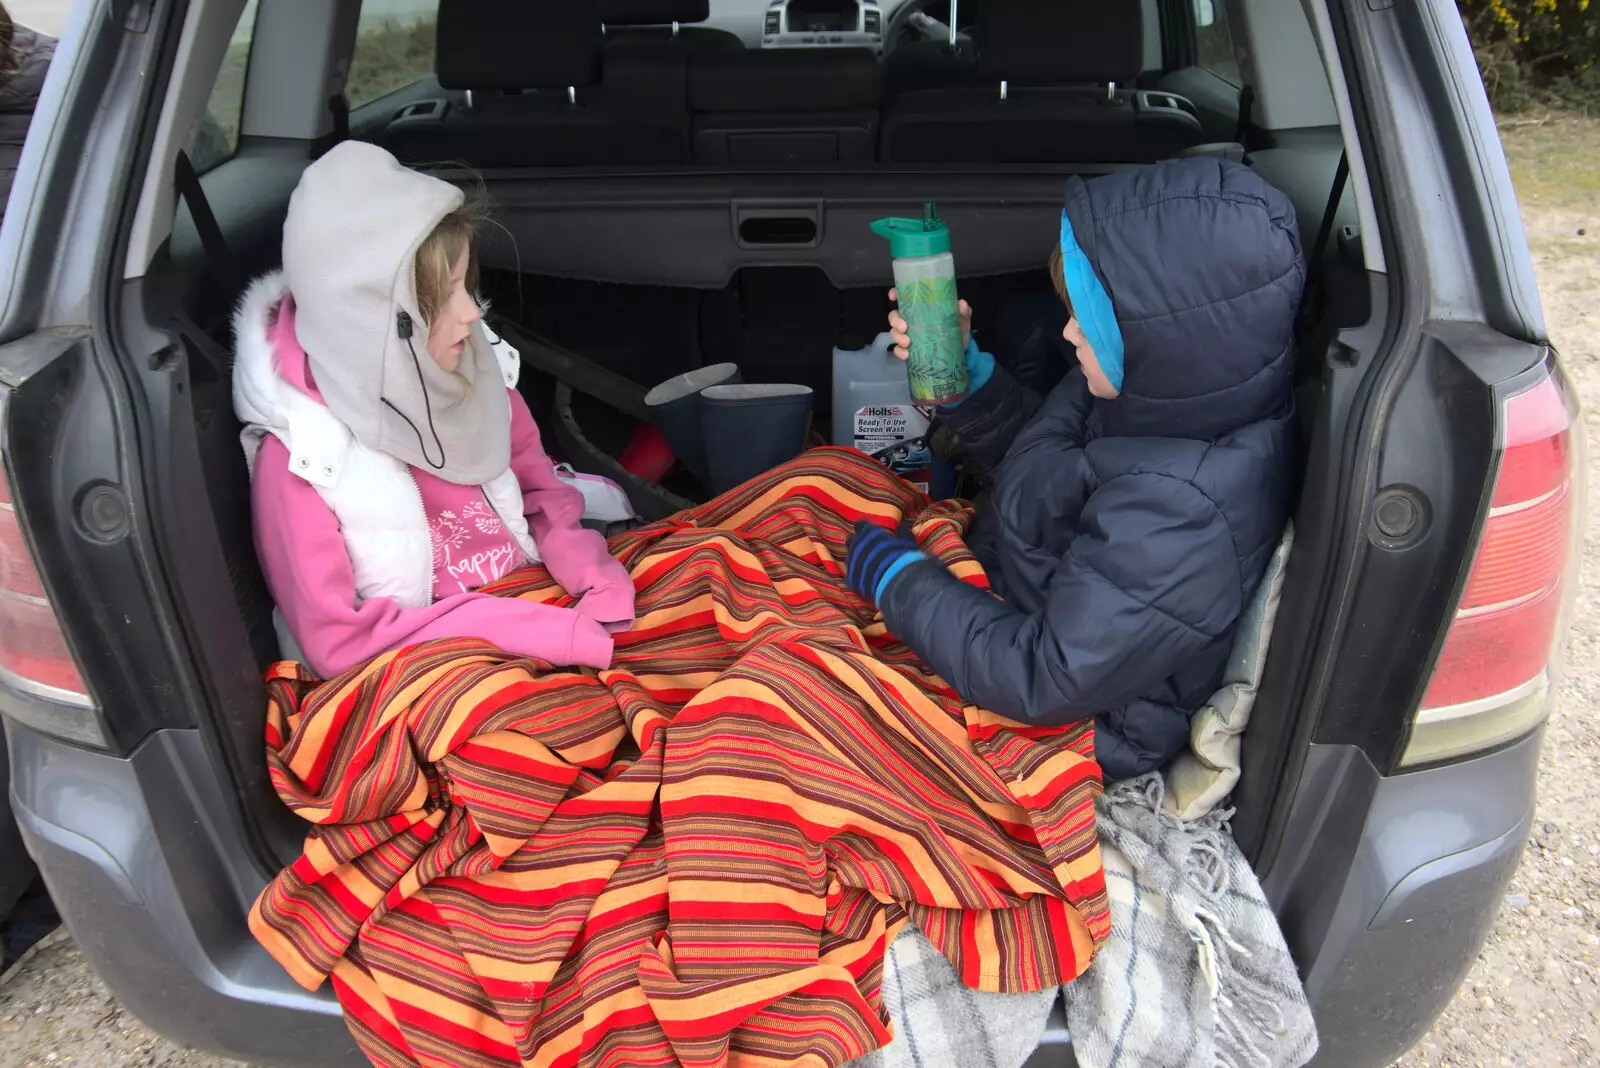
1201,260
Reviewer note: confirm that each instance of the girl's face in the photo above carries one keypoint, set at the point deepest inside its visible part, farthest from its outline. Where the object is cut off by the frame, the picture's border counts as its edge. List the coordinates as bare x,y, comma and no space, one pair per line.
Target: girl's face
452,323
1099,385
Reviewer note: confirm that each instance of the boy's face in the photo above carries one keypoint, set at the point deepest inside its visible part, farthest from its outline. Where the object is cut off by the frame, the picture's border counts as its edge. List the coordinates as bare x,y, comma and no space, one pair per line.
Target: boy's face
1099,385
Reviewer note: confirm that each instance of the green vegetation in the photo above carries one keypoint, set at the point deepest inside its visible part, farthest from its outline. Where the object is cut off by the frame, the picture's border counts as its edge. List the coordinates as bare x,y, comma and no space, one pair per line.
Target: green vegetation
389,56
1537,53
1555,160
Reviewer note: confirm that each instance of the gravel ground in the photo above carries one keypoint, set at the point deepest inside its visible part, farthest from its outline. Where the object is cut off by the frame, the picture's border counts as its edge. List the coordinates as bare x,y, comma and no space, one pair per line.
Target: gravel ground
1534,996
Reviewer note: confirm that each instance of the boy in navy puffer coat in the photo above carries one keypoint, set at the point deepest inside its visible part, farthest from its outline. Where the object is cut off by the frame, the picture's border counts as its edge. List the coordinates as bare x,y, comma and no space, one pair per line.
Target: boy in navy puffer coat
1134,509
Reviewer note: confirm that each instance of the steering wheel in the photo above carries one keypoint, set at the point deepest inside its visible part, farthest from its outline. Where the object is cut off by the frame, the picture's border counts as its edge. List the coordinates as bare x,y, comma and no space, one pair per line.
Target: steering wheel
911,22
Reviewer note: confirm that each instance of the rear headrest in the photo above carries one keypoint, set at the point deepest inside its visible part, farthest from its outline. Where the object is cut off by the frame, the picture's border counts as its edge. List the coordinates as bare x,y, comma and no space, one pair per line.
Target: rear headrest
785,79
517,44
653,12
1061,41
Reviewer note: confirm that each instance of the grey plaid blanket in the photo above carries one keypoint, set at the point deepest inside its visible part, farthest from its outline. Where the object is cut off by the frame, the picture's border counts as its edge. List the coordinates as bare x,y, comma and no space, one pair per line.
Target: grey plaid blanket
939,1023
1196,973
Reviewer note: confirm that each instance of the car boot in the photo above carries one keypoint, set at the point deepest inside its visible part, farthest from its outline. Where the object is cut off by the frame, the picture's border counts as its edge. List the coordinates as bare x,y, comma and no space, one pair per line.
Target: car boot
750,429
675,409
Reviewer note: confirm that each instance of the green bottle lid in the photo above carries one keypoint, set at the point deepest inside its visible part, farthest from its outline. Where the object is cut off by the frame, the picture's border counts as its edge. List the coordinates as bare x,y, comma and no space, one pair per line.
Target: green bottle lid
927,236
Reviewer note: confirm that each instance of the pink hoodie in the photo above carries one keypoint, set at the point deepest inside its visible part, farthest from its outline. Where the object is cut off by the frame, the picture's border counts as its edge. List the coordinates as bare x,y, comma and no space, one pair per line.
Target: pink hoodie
308,569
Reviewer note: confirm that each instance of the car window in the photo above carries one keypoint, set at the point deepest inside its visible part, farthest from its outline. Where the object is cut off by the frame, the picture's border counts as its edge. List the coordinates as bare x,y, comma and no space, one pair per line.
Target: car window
216,137
1213,42
394,48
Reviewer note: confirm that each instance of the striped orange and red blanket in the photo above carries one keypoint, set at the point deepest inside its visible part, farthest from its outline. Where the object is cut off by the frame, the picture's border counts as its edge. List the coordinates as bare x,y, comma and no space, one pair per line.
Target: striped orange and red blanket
699,856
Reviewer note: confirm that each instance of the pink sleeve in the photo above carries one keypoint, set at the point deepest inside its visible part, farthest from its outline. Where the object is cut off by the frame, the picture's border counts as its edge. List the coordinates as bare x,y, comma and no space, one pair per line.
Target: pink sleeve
307,568
576,556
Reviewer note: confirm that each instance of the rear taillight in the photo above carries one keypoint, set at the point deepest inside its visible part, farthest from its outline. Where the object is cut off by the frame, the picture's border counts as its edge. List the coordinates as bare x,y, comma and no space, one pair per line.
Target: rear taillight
1495,673
34,657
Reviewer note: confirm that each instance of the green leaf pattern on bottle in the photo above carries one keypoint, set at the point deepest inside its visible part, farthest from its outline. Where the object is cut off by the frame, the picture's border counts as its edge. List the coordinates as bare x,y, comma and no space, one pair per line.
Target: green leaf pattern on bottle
938,365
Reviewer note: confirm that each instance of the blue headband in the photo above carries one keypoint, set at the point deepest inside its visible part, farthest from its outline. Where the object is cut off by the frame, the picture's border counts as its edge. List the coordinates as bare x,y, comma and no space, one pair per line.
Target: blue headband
1091,304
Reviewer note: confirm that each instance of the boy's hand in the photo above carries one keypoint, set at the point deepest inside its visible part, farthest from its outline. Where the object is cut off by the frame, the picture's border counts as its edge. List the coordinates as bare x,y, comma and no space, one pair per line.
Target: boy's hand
902,334
980,365
874,555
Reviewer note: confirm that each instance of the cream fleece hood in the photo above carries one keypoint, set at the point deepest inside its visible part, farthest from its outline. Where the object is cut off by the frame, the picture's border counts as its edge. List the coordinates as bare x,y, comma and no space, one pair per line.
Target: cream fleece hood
350,245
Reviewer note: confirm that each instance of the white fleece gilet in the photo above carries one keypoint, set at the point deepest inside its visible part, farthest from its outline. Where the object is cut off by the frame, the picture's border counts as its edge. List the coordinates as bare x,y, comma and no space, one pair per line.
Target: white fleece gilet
372,494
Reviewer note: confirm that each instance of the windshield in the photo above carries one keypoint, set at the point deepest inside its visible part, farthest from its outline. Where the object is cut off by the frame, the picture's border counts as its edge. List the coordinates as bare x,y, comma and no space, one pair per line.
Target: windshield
743,17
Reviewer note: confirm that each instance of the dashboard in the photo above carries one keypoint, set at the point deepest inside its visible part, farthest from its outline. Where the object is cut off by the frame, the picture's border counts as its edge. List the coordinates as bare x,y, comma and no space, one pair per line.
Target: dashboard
823,24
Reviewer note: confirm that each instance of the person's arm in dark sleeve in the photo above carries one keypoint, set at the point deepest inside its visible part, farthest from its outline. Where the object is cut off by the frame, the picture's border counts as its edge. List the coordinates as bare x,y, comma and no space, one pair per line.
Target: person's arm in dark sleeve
990,419
1151,579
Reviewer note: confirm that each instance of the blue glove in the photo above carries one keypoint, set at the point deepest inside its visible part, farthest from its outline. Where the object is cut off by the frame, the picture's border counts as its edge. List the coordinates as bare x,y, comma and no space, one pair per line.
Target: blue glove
874,555
980,368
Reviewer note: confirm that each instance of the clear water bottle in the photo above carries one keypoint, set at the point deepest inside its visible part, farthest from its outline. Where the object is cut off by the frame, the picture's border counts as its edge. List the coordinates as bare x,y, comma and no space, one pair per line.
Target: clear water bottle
925,276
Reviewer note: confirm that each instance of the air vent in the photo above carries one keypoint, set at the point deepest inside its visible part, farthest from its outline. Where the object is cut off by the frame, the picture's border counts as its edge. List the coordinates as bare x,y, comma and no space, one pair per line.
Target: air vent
774,21
872,22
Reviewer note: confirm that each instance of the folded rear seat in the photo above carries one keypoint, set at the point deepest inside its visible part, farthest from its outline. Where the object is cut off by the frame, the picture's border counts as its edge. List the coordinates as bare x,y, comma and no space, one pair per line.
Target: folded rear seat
534,97
1060,77
785,107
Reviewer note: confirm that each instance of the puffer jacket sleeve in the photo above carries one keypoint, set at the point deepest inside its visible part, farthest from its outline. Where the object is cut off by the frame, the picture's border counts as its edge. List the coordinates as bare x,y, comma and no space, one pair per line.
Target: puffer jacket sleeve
1151,579
990,420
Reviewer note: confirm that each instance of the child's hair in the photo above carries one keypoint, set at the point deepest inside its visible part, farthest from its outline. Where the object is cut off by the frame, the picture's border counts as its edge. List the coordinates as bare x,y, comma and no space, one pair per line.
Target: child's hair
439,251
1058,276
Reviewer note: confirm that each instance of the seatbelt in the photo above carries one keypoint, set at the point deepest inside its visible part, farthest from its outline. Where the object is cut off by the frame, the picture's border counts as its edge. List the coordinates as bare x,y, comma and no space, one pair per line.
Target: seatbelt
339,111
218,255
339,108
205,224
1312,309
1341,174
1247,103
200,343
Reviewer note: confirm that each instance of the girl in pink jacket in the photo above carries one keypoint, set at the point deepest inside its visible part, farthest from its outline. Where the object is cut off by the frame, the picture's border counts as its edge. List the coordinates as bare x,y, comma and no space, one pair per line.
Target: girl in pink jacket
395,469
